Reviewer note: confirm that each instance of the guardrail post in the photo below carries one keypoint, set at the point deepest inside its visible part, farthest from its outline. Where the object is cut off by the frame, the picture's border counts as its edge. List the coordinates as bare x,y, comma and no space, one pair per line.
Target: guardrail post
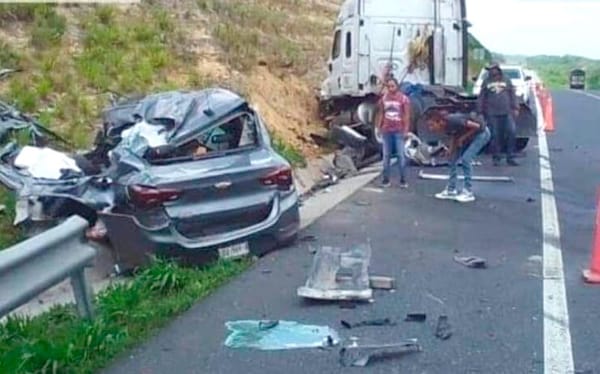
83,294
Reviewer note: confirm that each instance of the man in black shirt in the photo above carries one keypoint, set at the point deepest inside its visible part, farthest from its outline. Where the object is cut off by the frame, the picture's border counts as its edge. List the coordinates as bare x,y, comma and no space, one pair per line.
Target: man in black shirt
468,135
497,101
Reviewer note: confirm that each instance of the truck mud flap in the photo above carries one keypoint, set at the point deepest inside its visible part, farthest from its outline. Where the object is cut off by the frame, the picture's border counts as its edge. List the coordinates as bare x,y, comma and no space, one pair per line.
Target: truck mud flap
526,122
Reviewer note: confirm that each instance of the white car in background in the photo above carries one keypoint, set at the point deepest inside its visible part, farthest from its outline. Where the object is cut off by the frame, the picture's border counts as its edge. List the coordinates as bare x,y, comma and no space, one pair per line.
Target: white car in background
517,76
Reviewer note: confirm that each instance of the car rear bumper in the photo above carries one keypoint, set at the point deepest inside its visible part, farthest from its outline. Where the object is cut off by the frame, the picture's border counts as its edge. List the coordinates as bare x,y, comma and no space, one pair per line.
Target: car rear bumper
133,244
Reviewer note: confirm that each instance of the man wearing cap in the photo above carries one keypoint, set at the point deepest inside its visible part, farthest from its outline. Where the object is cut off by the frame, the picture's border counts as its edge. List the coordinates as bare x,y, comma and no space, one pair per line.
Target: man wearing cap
498,103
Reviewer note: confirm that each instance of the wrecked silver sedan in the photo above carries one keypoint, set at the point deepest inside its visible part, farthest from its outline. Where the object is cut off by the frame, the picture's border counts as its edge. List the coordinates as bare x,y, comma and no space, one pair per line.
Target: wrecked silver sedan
190,175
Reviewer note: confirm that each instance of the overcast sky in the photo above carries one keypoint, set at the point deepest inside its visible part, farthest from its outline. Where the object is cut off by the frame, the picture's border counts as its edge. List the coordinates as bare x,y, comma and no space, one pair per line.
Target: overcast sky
554,27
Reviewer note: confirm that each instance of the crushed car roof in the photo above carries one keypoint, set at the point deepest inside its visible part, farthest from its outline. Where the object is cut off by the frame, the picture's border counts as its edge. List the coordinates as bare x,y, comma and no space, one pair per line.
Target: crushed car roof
185,112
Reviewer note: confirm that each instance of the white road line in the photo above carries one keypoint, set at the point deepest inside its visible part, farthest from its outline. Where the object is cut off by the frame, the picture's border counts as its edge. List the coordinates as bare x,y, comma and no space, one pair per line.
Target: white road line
558,353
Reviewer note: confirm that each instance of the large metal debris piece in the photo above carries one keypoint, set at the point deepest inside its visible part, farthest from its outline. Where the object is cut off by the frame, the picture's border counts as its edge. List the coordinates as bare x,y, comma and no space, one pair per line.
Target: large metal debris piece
339,274
362,355
480,178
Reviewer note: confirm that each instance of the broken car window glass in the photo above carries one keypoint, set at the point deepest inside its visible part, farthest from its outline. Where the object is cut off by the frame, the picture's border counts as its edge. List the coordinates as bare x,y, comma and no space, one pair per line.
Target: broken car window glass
277,335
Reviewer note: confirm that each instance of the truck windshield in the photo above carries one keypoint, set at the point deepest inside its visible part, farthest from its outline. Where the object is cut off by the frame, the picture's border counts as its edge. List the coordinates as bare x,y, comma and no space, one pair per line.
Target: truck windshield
509,73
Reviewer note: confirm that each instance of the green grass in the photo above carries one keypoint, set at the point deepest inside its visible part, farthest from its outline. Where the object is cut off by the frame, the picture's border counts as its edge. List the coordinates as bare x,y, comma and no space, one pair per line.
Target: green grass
60,342
9,234
122,53
287,151
250,32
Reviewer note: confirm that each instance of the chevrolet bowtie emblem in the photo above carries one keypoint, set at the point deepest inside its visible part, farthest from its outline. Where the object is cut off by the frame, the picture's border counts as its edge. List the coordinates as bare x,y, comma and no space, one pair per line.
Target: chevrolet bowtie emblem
223,185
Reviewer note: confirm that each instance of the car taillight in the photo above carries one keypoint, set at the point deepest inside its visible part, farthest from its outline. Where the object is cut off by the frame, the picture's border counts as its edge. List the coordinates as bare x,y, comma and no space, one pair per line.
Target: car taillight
282,178
149,197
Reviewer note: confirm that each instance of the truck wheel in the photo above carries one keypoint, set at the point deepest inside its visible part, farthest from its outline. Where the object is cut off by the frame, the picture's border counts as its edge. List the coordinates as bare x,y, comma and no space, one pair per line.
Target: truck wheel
521,144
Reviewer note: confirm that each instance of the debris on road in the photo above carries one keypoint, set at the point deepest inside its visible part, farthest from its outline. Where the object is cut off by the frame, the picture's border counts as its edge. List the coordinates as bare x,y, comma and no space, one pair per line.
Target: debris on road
373,189
361,356
471,261
338,274
361,202
443,330
308,238
424,154
346,304
480,178
382,283
279,335
370,322
376,282
415,317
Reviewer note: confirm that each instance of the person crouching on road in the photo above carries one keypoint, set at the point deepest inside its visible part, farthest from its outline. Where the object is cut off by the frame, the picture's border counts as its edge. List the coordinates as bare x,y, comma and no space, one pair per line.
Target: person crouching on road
393,123
468,135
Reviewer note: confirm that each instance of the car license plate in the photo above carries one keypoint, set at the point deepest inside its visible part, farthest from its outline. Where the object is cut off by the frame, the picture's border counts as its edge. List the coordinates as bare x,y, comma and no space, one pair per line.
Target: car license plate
234,251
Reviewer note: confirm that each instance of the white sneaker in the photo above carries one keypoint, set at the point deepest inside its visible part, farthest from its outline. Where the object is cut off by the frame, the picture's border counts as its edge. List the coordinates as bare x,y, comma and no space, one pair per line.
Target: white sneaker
466,196
447,195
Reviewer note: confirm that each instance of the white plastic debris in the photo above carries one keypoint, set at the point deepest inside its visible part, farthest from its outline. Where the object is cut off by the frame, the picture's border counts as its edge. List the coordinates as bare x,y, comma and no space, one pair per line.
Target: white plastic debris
44,162
153,134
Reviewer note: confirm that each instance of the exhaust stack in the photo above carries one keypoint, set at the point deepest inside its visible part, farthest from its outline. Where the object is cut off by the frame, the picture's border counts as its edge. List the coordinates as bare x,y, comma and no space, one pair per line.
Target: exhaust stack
439,56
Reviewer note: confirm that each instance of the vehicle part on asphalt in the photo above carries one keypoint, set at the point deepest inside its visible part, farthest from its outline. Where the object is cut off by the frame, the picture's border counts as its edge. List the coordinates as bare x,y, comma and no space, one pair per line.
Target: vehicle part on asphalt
415,317
339,274
382,283
278,335
362,355
375,281
471,261
308,238
443,330
361,202
479,178
370,322
424,154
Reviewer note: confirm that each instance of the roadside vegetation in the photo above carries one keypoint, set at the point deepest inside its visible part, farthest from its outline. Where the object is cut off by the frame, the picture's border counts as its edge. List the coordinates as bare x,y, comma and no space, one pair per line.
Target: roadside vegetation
555,70
58,341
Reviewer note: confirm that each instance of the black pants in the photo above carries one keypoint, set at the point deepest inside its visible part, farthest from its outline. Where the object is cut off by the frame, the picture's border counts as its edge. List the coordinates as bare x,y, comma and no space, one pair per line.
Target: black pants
503,132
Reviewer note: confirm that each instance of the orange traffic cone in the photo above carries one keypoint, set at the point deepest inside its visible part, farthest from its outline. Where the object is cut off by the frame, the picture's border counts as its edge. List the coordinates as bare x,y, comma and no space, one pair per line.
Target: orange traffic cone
592,275
549,114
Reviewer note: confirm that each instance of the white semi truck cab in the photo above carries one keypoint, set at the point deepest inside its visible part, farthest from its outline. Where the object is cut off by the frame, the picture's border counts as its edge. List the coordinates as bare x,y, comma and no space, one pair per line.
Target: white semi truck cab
372,33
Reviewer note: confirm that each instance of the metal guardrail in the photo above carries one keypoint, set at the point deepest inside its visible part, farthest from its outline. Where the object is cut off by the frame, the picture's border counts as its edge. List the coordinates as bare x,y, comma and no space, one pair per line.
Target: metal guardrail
41,262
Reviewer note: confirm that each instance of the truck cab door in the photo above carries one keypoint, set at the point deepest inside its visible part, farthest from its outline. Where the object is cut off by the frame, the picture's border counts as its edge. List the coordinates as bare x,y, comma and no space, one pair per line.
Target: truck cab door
349,83
334,64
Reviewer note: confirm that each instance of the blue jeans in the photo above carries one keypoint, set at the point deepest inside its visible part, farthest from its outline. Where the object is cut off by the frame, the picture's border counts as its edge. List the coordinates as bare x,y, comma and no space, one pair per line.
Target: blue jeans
470,151
504,129
393,141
